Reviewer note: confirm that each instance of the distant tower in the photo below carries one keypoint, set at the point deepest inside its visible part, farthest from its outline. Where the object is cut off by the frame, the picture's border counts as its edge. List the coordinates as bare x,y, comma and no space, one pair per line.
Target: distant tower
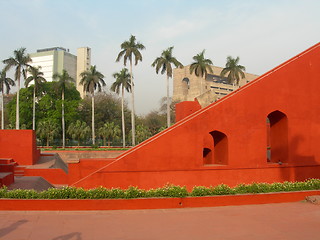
83,64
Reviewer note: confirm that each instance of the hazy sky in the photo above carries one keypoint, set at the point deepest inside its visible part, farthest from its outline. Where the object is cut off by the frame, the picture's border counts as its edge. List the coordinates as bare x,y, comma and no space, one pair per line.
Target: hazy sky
263,33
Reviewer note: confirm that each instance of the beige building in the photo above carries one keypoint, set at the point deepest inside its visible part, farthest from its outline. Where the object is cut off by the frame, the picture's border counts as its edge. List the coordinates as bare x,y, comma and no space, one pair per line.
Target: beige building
54,60
83,64
188,87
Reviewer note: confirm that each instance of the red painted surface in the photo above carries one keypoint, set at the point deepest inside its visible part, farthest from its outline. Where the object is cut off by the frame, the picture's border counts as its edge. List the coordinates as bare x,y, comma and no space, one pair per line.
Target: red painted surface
52,175
19,145
150,203
85,167
184,109
226,142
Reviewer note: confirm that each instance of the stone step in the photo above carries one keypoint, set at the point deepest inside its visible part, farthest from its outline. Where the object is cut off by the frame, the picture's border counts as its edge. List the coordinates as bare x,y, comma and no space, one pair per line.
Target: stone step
7,167
6,160
19,171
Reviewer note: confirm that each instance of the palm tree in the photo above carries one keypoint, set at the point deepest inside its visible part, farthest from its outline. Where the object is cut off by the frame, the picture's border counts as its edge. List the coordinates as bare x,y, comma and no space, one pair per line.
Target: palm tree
201,66
4,82
234,70
109,131
63,81
20,62
143,133
37,77
129,50
91,80
164,63
48,129
122,82
78,130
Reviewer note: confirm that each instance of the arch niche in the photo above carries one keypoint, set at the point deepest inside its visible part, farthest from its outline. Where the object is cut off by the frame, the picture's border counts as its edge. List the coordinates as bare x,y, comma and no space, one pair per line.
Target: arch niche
215,150
277,137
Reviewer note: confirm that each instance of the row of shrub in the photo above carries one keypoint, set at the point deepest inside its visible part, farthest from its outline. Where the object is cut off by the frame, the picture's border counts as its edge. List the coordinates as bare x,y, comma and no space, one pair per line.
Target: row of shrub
167,191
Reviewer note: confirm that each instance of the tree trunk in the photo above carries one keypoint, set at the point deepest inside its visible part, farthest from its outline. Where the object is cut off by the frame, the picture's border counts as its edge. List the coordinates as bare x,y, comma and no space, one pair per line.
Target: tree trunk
168,103
47,141
2,110
17,106
93,133
34,108
133,127
63,123
122,116
104,141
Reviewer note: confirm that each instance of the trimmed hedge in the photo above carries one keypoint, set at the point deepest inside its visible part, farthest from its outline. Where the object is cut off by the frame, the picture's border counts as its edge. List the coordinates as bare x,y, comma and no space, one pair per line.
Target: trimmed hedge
165,192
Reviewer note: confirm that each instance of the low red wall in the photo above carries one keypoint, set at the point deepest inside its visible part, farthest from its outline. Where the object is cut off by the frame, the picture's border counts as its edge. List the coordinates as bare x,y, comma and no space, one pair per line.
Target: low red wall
52,175
207,176
20,145
85,167
151,203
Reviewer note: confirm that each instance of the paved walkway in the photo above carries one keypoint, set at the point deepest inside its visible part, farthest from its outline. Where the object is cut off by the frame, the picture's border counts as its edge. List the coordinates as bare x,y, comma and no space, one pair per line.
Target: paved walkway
283,221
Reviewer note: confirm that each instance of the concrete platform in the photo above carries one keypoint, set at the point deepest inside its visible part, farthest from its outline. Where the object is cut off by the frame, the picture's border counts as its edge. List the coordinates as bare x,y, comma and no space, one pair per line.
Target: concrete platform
285,221
36,183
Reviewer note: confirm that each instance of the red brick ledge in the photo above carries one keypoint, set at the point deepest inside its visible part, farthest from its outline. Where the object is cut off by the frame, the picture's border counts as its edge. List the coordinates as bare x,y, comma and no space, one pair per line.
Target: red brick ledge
151,203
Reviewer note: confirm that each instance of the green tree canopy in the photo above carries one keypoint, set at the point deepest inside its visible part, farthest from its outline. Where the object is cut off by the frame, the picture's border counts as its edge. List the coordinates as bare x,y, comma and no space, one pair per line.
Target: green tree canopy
109,131
78,131
48,129
201,65
233,70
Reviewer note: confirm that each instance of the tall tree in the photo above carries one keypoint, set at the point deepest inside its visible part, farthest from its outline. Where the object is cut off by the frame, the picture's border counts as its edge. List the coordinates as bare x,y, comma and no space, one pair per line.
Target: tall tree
233,70
129,50
37,78
20,61
122,82
63,81
92,80
164,62
201,66
5,82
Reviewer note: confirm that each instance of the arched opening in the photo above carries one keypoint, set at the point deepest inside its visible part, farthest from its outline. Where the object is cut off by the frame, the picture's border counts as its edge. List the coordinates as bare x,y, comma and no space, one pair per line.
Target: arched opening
277,137
220,152
215,150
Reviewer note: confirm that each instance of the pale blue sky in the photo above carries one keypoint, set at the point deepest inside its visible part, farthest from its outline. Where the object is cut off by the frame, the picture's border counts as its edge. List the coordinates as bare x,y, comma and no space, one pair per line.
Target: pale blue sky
263,33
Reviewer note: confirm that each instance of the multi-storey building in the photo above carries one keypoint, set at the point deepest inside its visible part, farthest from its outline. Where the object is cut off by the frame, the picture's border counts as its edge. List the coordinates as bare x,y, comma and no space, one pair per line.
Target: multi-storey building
188,87
83,64
54,60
